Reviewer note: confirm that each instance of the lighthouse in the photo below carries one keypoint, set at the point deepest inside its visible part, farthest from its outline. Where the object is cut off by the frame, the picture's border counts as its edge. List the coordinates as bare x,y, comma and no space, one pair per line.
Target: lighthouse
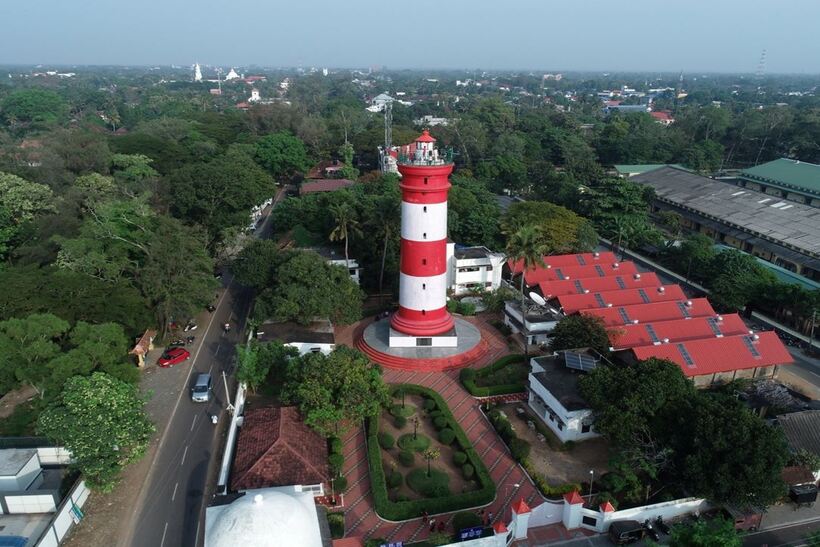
422,318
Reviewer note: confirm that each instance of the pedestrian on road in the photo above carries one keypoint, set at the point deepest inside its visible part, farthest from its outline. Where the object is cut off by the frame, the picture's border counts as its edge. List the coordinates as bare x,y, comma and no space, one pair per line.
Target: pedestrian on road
432,525
425,516
441,526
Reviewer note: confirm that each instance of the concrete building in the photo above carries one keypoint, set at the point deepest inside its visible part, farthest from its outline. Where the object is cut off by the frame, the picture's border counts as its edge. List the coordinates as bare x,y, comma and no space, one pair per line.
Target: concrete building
534,322
783,232
318,337
473,268
337,258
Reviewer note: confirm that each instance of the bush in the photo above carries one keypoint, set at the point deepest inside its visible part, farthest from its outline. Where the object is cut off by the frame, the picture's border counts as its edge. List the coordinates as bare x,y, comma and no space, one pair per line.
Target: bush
452,306
446,436
406,410
335,445
468,471
440,422
336,521
468,378
400,422
429,404
549,492
466,374
394,479
520,449
466,308
340,484
407,458
435,414
434,486
419,444
386,441
465,519
336,462
459,458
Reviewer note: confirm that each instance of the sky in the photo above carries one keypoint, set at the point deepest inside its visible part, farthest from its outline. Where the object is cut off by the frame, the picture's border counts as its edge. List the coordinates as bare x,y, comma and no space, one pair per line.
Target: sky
631,35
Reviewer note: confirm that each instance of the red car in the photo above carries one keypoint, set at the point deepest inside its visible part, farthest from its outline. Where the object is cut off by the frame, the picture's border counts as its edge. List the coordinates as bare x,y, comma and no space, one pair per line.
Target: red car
174,356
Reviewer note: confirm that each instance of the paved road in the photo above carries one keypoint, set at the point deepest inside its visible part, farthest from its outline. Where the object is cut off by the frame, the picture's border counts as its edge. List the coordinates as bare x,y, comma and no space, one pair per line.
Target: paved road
171,504
790,536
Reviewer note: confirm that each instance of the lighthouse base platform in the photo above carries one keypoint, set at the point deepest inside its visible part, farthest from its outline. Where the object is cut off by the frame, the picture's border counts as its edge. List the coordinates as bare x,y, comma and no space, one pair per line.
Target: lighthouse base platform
378,339
447,339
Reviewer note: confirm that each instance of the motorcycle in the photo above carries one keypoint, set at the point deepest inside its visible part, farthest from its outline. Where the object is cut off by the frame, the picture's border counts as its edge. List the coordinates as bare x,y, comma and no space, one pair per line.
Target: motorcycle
662,526
211,308
177,342
214,419
190,340
190,326
650,530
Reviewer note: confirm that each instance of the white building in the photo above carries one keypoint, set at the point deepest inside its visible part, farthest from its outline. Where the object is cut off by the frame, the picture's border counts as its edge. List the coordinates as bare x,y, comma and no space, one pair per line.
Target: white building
534,324
232,75
378,102
432,121
336,258
317,337
554,397
471,268
255,96
197,73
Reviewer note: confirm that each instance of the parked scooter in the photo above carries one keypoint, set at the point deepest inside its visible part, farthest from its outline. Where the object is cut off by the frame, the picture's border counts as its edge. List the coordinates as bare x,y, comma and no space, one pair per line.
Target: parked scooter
190,340
177,342
650,530
211,308
662,526
190,326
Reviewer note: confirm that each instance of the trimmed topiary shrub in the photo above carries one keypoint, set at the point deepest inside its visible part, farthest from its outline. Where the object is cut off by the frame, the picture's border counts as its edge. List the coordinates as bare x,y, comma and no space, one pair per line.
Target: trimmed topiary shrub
520,449
419,444
465,519
394,479
468,471
399,422
335,445
446,436
340,484
386,441
466,374
452,306
336,521
406,411
429,404
336,462
440,422
434,486
434,414
459,458
466,308
407,458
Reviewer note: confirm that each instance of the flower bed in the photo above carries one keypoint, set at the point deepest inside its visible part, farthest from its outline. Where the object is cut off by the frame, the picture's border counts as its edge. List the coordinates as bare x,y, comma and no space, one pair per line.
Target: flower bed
469,378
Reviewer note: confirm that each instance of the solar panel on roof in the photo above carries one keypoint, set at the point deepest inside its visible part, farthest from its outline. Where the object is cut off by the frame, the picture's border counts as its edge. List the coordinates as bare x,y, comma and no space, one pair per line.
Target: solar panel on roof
600,270
714,325
559,273
624,316
620,282
650,330
600,300
581,260
578,286
750,345
683,309
685,354
579,361
644,296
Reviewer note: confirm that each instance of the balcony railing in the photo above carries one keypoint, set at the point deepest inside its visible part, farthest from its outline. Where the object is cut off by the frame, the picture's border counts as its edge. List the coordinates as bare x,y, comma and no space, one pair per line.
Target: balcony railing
444,158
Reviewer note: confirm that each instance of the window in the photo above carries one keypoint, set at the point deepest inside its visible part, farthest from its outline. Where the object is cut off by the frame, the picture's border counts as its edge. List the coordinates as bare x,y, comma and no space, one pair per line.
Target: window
425,208
489,268
424,235
424,286
585,428
315,350
424,312
425,180
424,341
424,262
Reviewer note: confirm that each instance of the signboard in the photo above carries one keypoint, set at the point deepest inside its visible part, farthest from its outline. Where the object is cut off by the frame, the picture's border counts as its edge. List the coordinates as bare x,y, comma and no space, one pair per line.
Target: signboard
76,513
470,533
395,544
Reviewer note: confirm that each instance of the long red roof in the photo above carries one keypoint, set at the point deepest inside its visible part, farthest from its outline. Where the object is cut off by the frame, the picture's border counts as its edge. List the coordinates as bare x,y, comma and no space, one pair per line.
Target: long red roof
578,259
572,303
648,313
680,330
579,272
713,355
551,289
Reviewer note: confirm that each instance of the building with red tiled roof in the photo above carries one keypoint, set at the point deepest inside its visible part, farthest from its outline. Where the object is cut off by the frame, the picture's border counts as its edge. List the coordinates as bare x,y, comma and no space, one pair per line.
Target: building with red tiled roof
578,259
611,269
323,185
722,359
276,448
679,330
551,289
663,117
650,313
572,303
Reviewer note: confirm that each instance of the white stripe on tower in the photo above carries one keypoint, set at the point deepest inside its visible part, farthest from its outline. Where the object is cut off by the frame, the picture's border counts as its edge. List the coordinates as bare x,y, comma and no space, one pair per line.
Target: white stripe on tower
423,293
423,222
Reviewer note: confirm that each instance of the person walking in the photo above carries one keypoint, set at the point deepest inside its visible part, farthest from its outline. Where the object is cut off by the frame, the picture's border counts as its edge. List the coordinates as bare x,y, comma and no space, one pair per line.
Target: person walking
432,525
441,526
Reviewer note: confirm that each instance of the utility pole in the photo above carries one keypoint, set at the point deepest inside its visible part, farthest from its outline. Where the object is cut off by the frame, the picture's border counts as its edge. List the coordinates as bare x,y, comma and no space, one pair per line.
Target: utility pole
230,407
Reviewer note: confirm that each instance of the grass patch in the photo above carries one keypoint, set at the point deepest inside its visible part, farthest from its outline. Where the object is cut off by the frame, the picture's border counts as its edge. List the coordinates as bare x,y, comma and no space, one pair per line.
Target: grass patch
337,525
434,486
513,373
419,444
507,375
406,410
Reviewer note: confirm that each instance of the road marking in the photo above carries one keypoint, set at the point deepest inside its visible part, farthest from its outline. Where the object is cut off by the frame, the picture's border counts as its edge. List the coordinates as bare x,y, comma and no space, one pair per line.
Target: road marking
217,349
183,455
174,495
194,422
165,531
211,369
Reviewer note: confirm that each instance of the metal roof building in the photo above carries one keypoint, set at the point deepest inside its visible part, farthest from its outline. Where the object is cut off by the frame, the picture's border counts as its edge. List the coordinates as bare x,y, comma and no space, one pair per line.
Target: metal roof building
551,289
572,303
648,313
788,176
679,330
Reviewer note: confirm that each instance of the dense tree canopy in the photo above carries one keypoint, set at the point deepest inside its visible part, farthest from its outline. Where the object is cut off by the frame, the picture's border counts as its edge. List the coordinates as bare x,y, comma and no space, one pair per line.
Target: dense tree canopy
580,331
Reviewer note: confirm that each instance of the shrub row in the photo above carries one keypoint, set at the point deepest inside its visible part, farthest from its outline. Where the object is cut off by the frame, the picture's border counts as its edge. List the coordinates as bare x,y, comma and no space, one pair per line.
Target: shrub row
460,307
468,376
403,510
519,448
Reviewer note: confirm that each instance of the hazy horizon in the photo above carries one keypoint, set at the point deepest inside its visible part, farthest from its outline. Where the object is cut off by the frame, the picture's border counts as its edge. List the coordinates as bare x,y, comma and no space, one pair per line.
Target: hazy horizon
723,36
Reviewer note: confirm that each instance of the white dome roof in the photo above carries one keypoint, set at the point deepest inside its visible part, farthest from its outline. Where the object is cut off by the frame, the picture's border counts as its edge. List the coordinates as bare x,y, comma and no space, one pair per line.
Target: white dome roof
265,517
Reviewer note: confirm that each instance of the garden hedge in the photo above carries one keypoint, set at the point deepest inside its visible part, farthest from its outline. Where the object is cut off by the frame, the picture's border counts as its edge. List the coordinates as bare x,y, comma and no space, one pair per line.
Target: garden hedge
403,510
468,376
386,440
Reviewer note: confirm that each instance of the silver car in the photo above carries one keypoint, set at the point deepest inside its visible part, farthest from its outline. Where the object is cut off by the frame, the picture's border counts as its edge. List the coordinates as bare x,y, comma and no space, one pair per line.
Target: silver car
201,392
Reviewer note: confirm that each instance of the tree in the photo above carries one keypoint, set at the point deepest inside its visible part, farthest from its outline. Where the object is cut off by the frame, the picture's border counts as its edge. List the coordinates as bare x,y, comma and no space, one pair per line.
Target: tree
559,229
100,348
102,422
282,154
526,247
718,532
346,226
255,265
35,105
429,455
256,360
335,391
736,278
580,331
20,202
472,213
27,347
348,171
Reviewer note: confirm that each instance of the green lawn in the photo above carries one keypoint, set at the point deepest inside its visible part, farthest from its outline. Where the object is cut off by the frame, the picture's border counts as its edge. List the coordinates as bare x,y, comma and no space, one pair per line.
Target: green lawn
513,373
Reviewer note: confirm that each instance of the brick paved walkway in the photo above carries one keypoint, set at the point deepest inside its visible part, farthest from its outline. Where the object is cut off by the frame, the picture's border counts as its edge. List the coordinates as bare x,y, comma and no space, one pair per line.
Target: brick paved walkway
360,518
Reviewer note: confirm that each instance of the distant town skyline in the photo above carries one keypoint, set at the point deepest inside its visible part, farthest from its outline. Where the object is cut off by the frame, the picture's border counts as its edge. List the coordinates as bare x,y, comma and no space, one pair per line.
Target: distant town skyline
640,35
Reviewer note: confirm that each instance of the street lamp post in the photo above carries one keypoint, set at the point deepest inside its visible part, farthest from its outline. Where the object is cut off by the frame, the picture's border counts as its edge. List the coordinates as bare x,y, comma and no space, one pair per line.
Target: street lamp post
591,479
415,426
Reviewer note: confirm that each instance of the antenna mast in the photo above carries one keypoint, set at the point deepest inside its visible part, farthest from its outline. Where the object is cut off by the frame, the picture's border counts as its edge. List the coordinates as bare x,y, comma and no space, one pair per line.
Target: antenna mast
388,134
761,65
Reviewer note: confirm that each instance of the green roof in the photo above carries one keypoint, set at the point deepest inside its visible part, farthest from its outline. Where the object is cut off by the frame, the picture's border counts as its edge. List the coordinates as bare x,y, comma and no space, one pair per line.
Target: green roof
782,274
785,173
641,168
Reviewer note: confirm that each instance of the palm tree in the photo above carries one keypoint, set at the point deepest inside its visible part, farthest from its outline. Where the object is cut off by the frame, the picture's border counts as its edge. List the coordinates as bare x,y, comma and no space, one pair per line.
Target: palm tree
526,245
346,226
385,224
431,454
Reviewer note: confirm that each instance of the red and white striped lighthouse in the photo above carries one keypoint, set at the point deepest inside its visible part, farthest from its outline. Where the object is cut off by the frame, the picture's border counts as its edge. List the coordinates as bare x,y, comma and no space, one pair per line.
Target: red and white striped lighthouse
423,279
